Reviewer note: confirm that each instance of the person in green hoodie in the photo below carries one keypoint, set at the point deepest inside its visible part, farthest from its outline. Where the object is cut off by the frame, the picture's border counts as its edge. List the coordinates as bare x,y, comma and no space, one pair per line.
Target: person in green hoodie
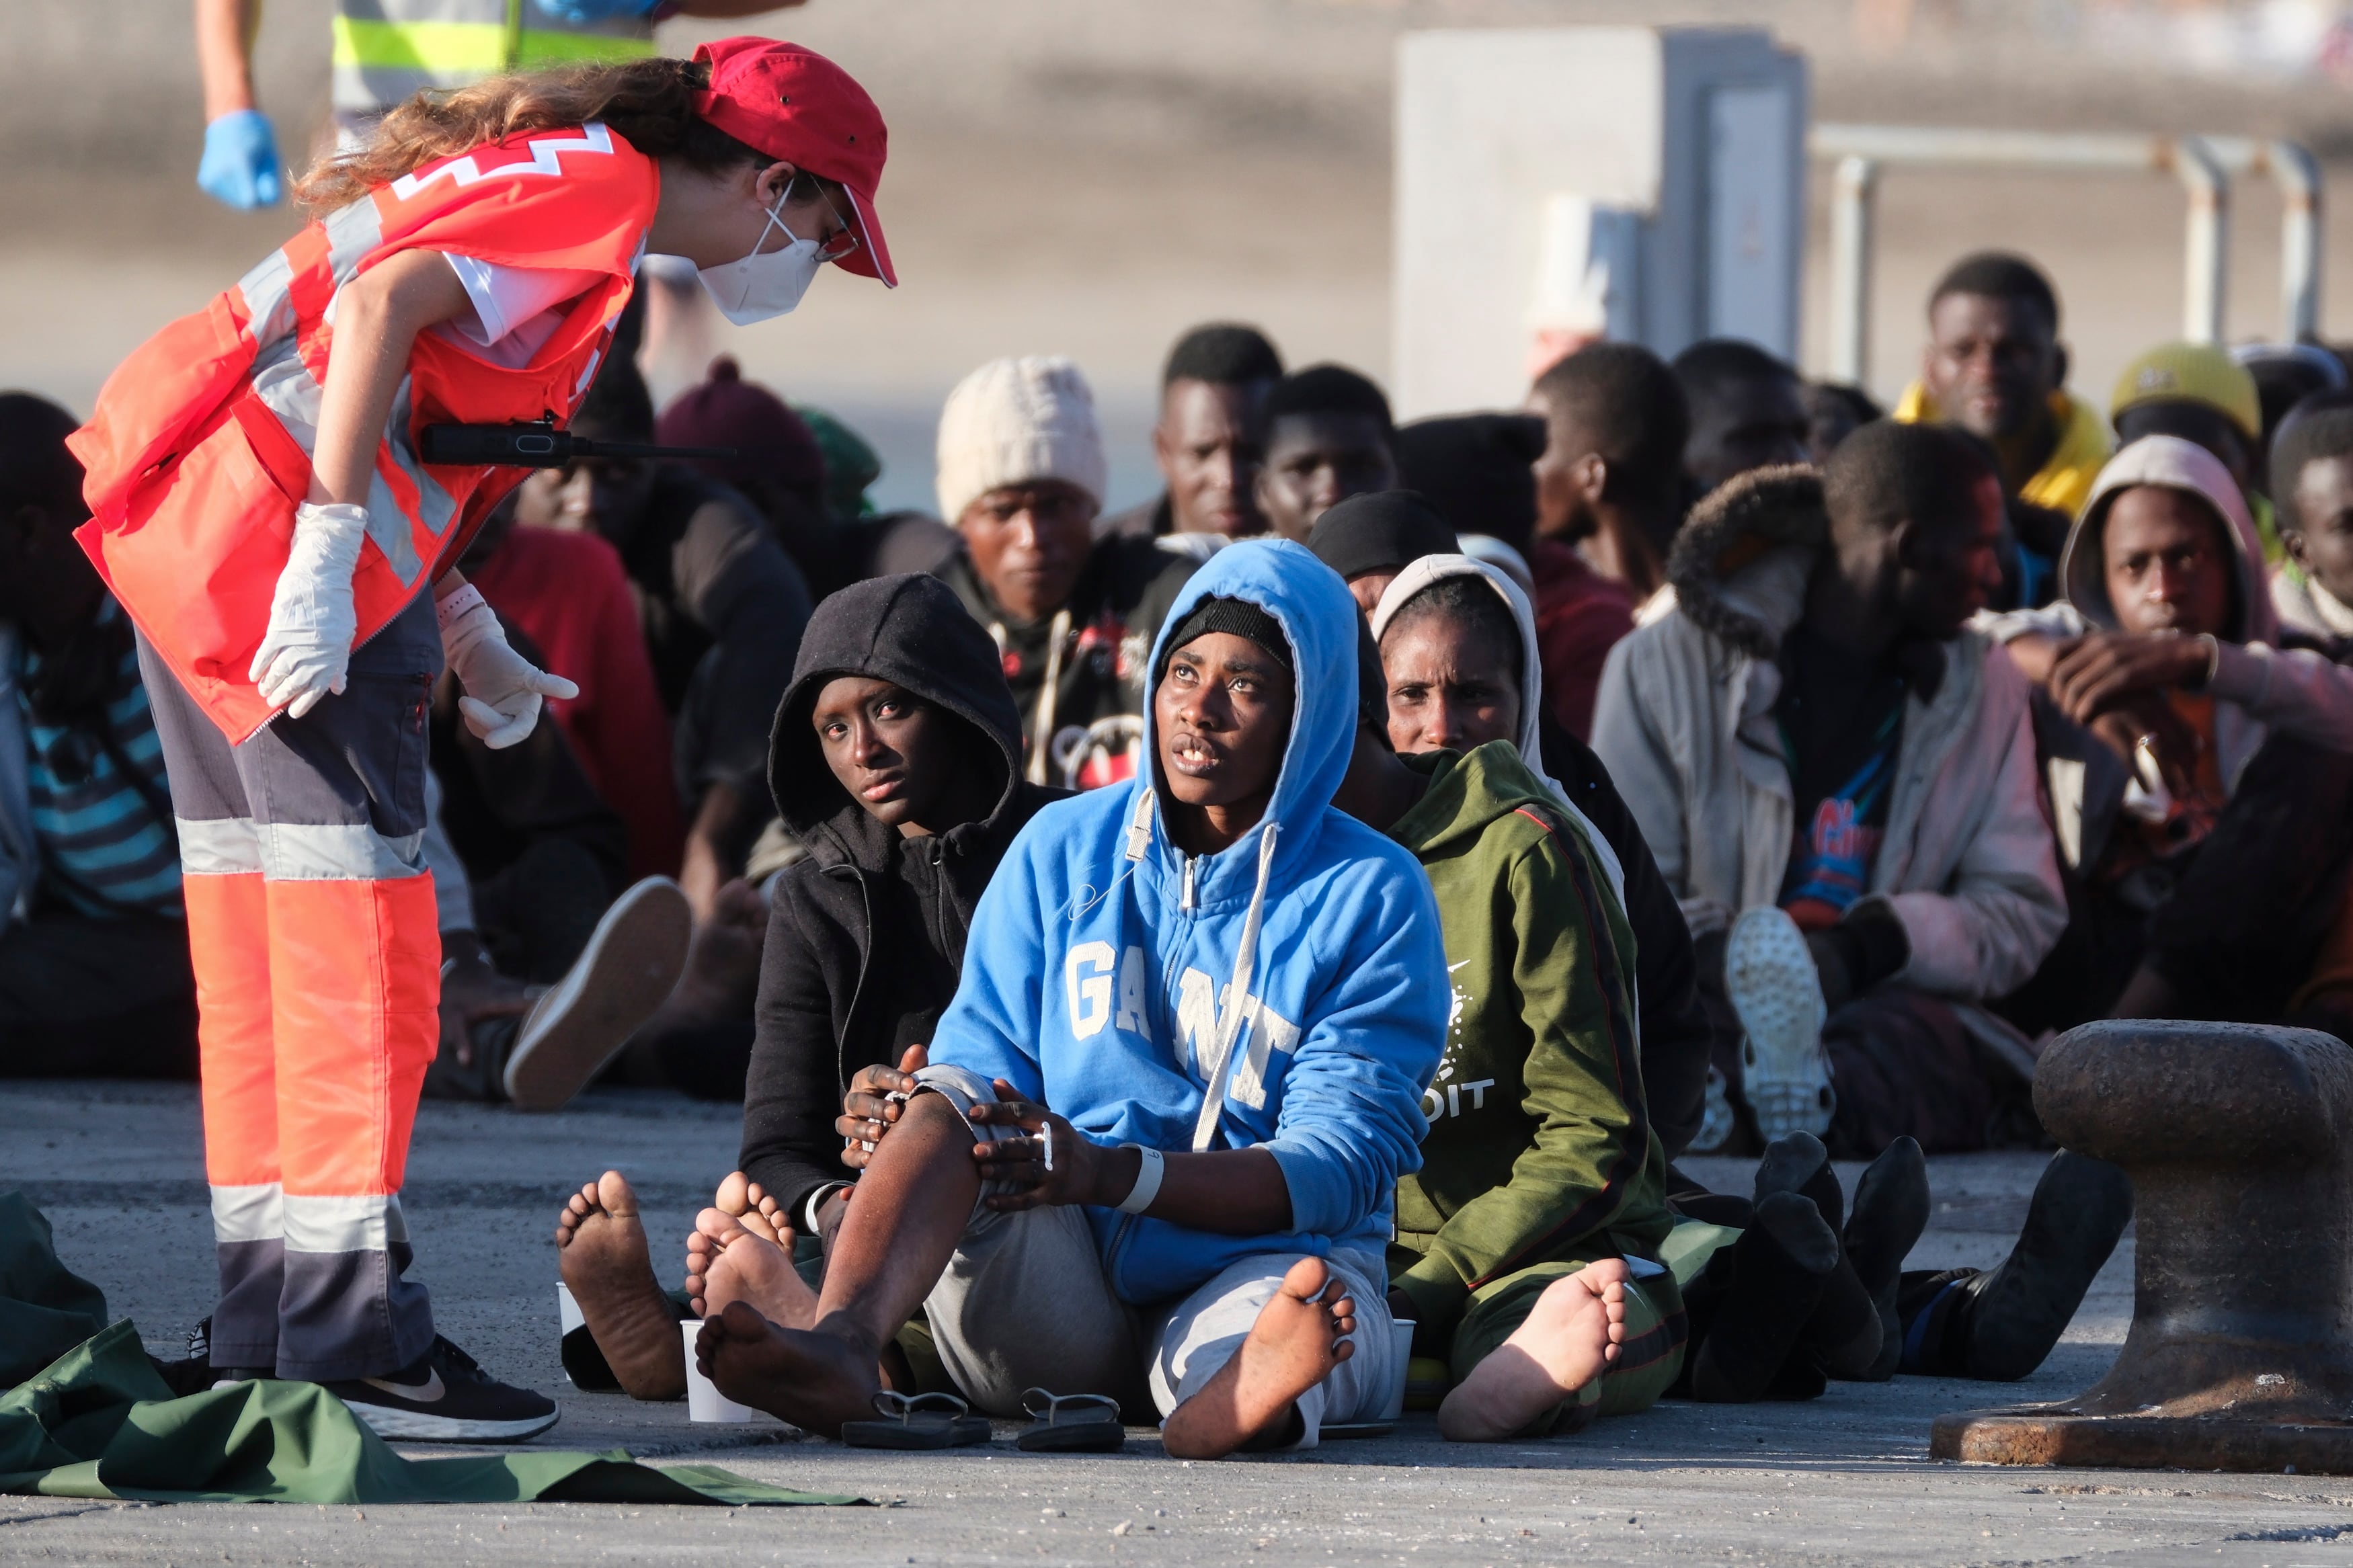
1540,1205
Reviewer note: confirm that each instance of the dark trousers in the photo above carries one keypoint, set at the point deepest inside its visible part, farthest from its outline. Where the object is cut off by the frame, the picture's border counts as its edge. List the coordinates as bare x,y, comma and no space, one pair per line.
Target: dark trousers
87,997
2235,925
1900,1061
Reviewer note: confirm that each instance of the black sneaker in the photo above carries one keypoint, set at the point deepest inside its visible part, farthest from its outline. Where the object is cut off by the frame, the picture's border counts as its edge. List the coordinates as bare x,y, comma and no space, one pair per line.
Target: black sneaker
446,1398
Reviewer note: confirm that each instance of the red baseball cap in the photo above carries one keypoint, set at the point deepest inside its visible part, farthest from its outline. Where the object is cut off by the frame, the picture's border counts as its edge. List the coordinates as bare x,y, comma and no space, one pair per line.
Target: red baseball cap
795,104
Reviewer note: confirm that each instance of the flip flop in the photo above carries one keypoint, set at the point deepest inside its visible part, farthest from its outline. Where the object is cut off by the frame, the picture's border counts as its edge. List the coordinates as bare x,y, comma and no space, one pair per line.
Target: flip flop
1071,1423
923,1421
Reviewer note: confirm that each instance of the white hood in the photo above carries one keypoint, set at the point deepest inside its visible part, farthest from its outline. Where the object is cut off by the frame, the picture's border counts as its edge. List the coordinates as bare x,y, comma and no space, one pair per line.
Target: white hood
1430,569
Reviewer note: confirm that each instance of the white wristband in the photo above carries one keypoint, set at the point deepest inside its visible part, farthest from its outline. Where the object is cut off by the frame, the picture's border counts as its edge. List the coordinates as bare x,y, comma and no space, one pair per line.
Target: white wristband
1153,1165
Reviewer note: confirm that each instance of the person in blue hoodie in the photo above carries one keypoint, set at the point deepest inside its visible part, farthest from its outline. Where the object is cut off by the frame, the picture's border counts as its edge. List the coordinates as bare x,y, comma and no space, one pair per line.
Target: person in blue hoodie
1155,1151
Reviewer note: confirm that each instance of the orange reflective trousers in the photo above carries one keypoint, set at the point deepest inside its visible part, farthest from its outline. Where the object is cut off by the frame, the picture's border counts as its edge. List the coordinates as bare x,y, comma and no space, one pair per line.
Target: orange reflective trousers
317,953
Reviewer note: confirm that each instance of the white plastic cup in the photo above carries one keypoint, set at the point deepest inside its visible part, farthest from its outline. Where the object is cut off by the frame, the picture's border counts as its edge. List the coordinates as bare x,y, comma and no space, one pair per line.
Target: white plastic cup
704,1403
567,1311
1394,1408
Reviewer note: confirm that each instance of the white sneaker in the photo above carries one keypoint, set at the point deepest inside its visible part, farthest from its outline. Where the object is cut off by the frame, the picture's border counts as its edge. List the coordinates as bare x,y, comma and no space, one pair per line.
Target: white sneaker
1771,981
633,959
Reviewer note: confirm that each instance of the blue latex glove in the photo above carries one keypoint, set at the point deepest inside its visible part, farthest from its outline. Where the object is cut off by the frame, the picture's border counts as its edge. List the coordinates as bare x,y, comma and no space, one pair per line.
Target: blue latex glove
240,163
580,12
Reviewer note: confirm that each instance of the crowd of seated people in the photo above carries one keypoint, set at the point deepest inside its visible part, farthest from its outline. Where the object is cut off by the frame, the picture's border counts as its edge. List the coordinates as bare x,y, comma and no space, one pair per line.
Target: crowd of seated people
1159,951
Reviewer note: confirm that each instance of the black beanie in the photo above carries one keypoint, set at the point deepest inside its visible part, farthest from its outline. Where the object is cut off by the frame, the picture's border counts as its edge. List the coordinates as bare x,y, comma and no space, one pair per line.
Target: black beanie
1474,469
1240,618
1387,530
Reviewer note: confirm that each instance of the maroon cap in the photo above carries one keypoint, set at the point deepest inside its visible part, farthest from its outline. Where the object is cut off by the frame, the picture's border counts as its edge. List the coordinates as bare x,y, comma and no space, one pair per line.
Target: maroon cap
771,441
795,104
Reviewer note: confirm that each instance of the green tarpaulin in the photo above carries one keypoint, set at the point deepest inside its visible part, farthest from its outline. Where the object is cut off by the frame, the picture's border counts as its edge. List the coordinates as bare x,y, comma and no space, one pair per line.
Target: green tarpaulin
88,1416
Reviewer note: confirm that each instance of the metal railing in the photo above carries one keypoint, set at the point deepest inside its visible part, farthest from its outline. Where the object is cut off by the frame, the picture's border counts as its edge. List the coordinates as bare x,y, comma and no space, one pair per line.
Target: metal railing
2204,164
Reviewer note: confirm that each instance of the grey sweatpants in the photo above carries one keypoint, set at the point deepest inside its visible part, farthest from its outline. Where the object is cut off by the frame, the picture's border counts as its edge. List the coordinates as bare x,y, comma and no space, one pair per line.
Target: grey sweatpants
1025,1303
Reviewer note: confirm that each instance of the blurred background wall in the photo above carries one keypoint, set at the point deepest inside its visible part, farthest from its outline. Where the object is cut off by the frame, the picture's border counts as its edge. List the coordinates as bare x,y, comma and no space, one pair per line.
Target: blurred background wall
1092,177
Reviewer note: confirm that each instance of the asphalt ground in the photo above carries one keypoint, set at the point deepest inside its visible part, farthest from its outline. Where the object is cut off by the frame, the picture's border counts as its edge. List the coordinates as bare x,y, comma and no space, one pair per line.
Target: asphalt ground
1843,1479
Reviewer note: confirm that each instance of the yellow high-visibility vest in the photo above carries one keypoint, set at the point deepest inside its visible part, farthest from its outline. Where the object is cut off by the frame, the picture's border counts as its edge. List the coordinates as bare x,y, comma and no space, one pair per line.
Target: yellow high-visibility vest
387,49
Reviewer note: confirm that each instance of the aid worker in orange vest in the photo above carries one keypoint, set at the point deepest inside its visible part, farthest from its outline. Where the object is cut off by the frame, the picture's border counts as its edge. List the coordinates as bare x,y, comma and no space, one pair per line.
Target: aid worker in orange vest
260,509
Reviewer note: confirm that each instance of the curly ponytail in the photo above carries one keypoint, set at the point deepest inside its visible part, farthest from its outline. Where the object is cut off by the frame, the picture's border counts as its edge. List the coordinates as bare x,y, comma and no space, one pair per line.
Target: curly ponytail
651,103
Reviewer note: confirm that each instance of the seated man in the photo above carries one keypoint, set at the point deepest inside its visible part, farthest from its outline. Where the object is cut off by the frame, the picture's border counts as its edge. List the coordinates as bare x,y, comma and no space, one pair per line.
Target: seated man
1610,486
1745,412
1541,1182
1209,441
1021,475
778,466
1834,411
1329,436
721,608
2201,776
2312,479
896,763
1995,367
1106,1181
94,971
1819,751
2195,391
1480,472
568,593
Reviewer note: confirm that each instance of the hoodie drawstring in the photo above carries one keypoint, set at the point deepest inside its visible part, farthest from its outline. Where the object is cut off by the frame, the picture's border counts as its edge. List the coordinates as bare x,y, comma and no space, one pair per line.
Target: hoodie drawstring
1229,1027
1042,725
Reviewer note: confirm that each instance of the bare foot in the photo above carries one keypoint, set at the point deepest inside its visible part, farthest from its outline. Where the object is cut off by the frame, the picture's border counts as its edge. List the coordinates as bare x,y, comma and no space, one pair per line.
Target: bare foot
1299,1338
729,1260
1575,1332
744,1198
816,1380
601,1251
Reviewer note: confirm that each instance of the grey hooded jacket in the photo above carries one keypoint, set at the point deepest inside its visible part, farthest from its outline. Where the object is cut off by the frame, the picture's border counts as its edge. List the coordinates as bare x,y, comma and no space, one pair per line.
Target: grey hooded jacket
1684,722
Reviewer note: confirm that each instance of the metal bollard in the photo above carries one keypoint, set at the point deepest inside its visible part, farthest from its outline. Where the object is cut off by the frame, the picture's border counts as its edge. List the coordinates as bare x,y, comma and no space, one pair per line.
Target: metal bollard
2241,1352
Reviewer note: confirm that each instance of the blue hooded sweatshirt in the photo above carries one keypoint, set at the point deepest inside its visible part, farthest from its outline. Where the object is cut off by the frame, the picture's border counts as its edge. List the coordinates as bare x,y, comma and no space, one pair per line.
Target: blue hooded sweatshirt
1101,965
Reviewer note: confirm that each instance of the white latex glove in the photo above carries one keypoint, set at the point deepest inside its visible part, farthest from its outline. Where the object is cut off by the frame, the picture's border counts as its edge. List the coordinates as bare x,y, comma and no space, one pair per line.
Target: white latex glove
312,622
502,688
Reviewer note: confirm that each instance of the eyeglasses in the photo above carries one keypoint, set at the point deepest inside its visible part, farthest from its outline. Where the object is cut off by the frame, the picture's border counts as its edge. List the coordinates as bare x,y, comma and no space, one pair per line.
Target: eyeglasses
845,239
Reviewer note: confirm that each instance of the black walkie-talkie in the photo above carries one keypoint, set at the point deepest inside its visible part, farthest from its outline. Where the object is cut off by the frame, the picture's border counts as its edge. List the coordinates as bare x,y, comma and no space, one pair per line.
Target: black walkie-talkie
537,445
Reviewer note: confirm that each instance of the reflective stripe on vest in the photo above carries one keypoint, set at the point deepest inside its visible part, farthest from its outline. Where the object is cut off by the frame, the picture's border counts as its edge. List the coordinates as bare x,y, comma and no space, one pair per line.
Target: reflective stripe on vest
291,391
386,50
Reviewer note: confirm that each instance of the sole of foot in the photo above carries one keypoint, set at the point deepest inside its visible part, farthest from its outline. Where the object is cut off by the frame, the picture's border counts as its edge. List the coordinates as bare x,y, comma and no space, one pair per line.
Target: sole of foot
1891,1211
814,1381
1569,1339
2078,1211
728,1260
631,962
601,1252
1299,1337
745,1199
1769,977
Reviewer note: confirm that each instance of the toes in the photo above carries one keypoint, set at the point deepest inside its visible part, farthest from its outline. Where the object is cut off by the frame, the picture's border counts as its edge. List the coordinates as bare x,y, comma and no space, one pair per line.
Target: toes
613,1192
734,1193
1306,1278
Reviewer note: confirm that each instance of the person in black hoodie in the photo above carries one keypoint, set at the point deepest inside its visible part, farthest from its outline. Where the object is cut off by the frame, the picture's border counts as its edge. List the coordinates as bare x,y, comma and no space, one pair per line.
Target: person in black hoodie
896,759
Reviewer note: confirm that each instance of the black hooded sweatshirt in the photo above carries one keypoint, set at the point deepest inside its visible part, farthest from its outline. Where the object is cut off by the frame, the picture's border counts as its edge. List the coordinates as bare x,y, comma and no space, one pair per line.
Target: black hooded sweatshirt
866,935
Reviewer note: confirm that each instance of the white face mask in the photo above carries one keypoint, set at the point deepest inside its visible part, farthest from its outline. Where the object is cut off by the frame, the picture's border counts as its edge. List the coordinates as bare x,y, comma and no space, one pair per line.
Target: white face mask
765,284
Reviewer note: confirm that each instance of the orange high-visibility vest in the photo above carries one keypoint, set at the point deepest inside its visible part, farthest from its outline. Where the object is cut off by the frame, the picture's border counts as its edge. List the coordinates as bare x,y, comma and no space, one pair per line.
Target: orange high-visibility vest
199,450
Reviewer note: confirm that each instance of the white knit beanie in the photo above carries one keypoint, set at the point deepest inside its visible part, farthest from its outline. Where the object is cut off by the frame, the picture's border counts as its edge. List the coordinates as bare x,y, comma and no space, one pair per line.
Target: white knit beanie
1014,421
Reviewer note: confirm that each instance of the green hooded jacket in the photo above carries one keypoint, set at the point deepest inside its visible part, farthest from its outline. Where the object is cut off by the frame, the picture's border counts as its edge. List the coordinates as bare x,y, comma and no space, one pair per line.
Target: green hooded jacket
1540,1148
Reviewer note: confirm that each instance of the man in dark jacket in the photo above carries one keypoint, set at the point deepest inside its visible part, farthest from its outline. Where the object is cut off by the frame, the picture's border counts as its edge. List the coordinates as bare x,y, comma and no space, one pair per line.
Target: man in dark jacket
896,761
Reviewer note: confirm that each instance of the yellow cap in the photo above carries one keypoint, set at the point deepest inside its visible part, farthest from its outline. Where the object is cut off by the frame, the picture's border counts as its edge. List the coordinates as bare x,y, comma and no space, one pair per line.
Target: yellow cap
2191,372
